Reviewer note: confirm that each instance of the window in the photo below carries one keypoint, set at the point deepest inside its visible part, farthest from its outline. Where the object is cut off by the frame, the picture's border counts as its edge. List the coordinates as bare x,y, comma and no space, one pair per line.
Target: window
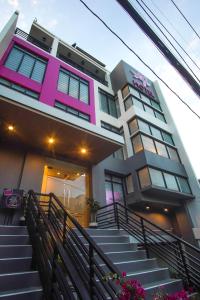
148,176
144,178
110,127
173,154
148,144
119,154
156,133
143,126
27,64
171,182
161,149
128,103
156,177
167,137
19,88
137,144
129,184
125,91
73,86
108,103
72,111
114,189
138,103
133,126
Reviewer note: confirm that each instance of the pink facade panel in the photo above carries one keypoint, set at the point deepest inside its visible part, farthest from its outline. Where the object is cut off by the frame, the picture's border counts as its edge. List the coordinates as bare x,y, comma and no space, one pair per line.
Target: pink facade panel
48,89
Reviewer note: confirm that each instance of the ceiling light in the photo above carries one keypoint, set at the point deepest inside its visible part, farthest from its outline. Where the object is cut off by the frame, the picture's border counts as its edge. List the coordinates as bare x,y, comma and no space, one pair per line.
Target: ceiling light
83,174
10,127
83,150
58,173
51,141
78,174
147,207
166,209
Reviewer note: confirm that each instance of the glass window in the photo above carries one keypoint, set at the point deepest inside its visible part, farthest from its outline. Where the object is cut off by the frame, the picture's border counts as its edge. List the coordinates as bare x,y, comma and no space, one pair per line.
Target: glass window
149,110
133,126
14,59
173,154
156,105
109,193
63,82
156,177
144,126
144,178
138,103
114,189
108,103
134,92
26,64
171,182
84,97
137,143
74,87
125,91
159,116
156,133
60,105
161,149
119,154
38,71
145,99
184,186
167,138
148,144
128,103
129,184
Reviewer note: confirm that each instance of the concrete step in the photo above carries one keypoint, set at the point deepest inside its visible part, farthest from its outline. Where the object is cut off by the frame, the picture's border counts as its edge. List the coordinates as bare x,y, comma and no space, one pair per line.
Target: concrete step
13,230
14,239
110,247
32,293
13,265
22,280
109,239
126,255
150,276
14,251
169,286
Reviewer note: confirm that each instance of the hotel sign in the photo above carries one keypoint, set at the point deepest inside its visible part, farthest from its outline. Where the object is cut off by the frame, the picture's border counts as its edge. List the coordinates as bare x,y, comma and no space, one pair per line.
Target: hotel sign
140,82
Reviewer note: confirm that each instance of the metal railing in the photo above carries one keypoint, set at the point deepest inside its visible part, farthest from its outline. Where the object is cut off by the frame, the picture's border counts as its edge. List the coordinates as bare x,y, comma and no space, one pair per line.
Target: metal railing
71,264
182,258
32,40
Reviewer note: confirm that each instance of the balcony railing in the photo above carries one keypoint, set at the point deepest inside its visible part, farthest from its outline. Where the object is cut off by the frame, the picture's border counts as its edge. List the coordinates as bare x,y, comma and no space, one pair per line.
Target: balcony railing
32,40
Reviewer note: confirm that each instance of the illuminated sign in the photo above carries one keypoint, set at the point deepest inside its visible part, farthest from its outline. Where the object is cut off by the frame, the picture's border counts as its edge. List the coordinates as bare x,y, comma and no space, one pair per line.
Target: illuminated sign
141,82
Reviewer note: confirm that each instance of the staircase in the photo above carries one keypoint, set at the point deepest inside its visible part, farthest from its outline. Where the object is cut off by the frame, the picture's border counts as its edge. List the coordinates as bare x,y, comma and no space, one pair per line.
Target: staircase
17,279
127,257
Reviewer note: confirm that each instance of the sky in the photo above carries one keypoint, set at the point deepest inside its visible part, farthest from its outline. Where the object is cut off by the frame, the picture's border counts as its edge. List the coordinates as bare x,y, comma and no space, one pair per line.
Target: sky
72,22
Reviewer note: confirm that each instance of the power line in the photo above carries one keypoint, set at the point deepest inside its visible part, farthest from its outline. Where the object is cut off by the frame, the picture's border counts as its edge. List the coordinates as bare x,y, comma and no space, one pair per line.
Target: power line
172,25
170,34
185,18
167,39
150,33
130,49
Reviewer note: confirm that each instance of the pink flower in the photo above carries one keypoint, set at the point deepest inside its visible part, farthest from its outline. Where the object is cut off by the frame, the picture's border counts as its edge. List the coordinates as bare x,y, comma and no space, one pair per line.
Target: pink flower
123,274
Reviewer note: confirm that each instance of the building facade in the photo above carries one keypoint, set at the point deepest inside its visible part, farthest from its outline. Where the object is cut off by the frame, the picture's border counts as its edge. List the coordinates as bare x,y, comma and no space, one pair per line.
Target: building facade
70,127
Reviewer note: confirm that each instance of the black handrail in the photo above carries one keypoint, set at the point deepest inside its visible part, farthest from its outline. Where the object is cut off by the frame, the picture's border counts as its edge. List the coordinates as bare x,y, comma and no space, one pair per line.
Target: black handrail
67,257
32,39
180,256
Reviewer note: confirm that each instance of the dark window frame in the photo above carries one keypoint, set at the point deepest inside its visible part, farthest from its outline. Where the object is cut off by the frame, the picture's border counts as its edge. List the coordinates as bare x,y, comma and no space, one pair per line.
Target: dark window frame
109,97
79,79
72,108
34,56
123,183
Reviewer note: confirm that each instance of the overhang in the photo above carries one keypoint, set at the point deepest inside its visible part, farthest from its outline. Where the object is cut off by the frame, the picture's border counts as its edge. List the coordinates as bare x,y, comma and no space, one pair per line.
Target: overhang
34,128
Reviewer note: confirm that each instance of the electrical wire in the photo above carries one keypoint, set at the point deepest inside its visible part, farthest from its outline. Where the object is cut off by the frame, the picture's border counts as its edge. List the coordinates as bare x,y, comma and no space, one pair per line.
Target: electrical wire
168,40
186,53
130,49
185,18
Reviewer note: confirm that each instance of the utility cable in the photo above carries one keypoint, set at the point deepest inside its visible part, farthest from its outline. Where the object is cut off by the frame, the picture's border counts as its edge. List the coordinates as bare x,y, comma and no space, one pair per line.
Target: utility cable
167,39
185,18
130,49
186,53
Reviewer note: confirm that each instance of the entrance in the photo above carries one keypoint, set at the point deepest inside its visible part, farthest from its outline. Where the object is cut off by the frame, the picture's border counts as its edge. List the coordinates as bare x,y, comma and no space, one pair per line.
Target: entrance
69,183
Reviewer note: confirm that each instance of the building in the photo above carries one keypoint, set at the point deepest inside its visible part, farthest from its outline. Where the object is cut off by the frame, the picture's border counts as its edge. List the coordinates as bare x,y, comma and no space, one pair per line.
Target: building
70,127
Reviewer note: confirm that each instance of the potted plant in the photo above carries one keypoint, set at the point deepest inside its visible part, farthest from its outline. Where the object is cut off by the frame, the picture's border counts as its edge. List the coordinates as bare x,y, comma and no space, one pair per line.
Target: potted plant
94,207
